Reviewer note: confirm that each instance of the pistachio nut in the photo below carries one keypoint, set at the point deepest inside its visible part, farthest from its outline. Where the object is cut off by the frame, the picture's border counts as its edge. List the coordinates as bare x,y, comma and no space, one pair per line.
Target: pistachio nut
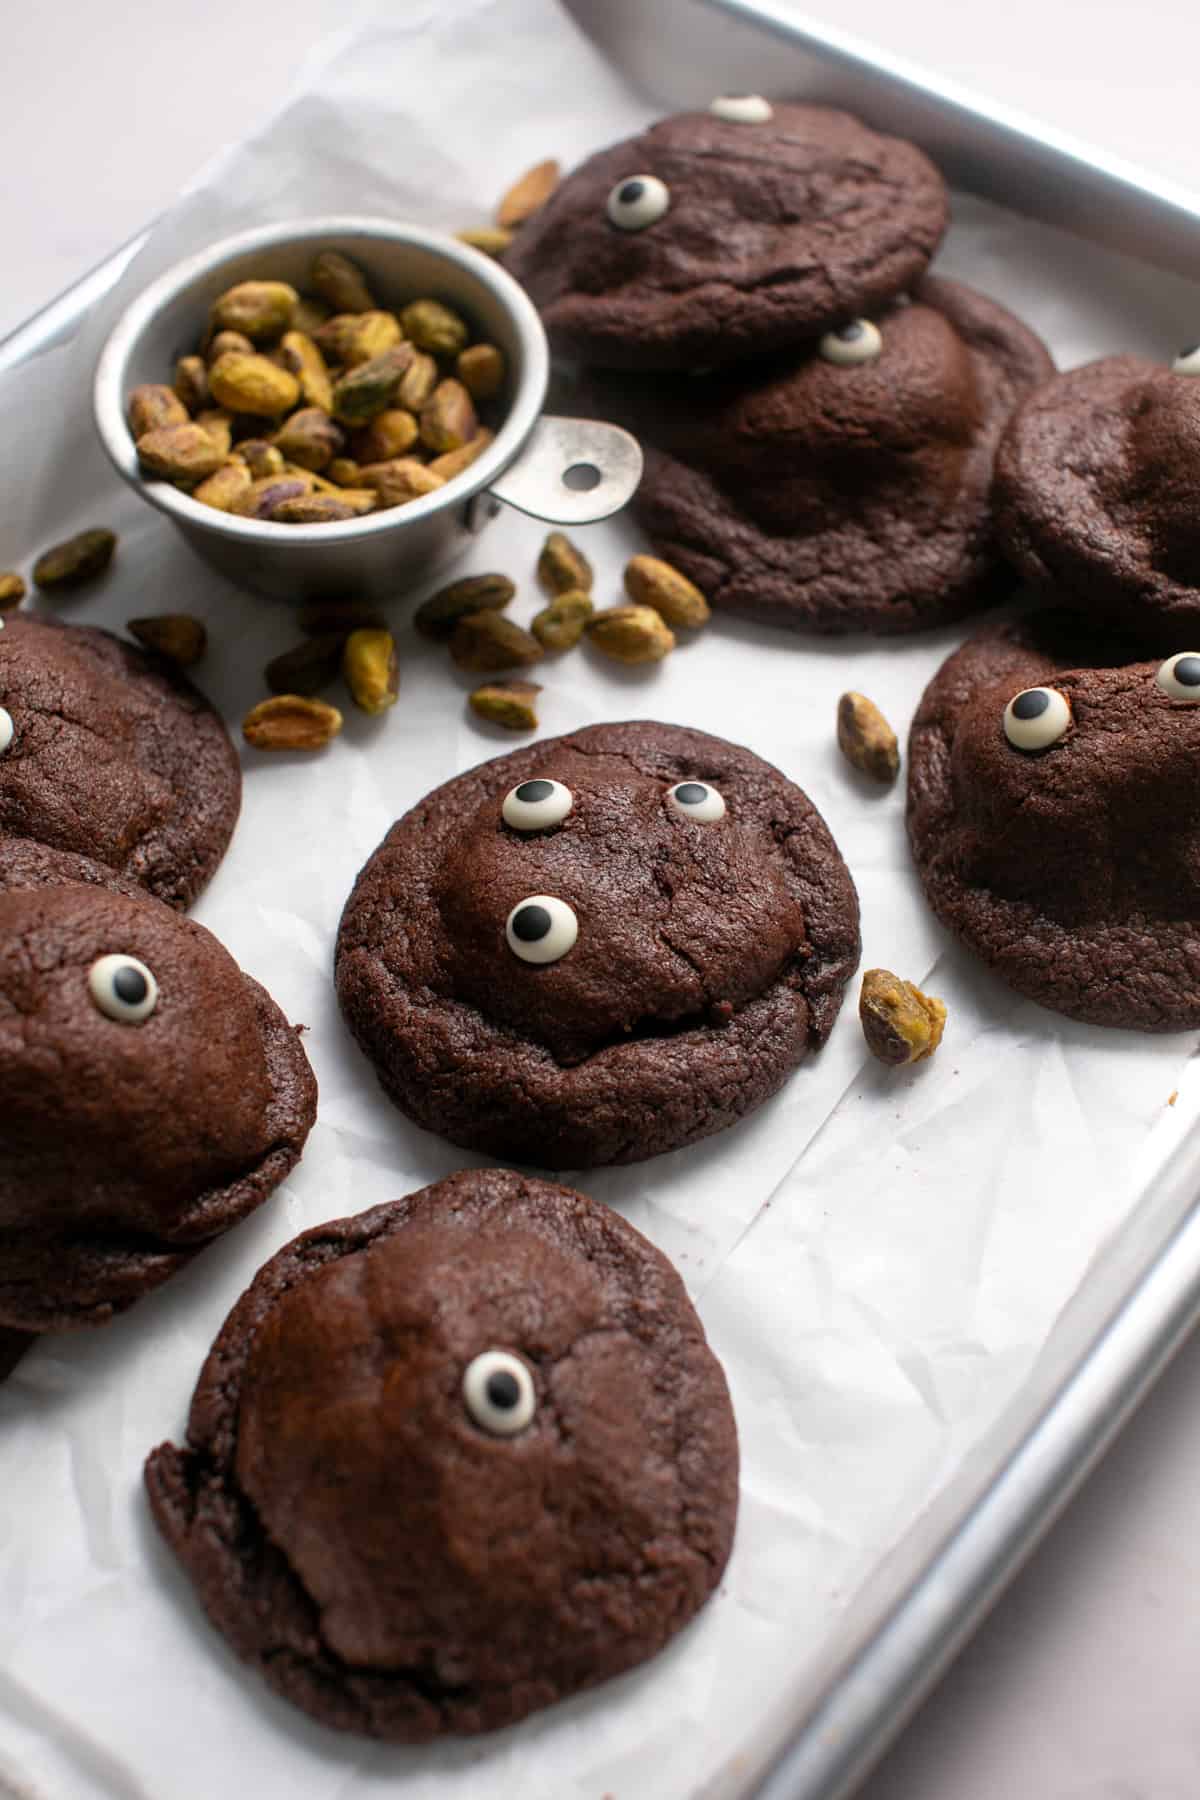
340,282
507,703
309,438
418,382
252,384
262,310
900,1023
179,637
562,567
76,560
308,666
484,641
181,453
492,240
651,582
219,426
262,497
370,388
291,722
453,462
221,343
560,625
399,480
191,382
225,486
312,509
370,669
630,634
866,739
12,591
390,434
434,328
343,470
369,335
481,368
152,406
260,457
528,193
304,360
448,417
436,617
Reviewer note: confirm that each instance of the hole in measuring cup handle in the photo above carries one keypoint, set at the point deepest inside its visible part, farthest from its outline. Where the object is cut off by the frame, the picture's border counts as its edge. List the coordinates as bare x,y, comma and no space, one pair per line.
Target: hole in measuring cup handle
571,471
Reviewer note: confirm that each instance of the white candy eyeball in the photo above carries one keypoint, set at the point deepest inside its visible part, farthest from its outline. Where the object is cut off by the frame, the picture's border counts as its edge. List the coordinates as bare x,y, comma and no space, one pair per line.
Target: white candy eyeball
638,201
533,805
541,928
1036,718
857,342
1188,361
123,988
696,800
1179,677
7,729
498,1391
742,109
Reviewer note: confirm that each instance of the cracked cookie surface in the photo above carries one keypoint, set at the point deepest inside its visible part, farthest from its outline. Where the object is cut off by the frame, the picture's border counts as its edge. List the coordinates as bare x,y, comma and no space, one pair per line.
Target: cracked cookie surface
709,955
112,754
390,1564
773,231
1071,868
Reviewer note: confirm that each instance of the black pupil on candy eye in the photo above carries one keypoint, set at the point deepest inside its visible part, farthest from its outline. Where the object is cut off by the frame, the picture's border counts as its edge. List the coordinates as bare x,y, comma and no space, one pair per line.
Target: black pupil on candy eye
129,985
629,191
1031,705
529,791
531,923
690,793
848,333
503,1390
1187,671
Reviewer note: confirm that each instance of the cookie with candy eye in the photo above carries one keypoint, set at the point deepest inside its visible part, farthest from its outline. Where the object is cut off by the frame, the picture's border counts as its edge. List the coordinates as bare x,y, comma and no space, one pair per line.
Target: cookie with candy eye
598,948
108,753
844,486
152,1094
728,233
453,1460
1098,492
1054,816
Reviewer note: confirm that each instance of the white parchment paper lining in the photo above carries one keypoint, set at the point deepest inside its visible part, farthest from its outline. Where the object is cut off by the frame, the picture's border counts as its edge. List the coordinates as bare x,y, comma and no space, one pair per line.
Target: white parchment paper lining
879,1259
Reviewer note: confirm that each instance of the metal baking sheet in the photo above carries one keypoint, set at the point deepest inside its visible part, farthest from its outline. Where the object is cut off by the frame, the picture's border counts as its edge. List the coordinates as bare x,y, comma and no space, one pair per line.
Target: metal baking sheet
1143,1293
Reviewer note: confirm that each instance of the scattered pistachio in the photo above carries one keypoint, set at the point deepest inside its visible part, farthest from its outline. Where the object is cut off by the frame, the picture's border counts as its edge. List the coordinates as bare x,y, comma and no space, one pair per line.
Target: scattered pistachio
340,282
224,343
312,509
370,388
562,567
181,453
631,634
418,382
525,196
900,1023
191,382
179,637
436,617
78,559
291,722
448,417
152,406
224,487
560,625
484,641
507,703
481,368
309,438
400,480
453,462
434,328
325,617
12,591
651,582
304,360
493,240
262,310
370,669
263,496
866,739
308,666
252,384
390,434
260,457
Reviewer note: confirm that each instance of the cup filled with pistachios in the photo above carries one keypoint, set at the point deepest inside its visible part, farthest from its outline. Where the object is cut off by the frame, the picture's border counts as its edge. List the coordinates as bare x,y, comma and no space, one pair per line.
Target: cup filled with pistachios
340,405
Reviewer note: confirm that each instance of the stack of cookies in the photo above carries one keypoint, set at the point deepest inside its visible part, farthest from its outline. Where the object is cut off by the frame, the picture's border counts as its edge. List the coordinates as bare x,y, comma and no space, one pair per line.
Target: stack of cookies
746,289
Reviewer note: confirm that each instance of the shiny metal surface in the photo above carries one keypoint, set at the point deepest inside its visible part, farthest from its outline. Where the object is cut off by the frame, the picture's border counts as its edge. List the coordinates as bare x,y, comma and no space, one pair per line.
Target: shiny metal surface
385,552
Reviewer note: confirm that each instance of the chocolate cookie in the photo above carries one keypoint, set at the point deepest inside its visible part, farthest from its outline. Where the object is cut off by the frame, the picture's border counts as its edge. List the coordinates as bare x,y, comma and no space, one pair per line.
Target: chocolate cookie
718,235
113,754
843,487
598,948
453,1460
152,1096
1053,808
1098,492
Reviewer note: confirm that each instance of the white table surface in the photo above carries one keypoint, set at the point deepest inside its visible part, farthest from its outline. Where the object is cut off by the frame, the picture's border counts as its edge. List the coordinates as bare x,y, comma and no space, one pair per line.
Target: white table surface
1083,1683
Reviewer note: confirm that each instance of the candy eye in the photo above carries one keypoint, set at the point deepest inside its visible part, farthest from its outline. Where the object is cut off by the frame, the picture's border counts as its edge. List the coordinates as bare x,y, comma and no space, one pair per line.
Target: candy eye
638,202
7,729
742,109
1036,717
1188,361
540,928
498,1391
857,342
1179,676
533,805
123,988
696,800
